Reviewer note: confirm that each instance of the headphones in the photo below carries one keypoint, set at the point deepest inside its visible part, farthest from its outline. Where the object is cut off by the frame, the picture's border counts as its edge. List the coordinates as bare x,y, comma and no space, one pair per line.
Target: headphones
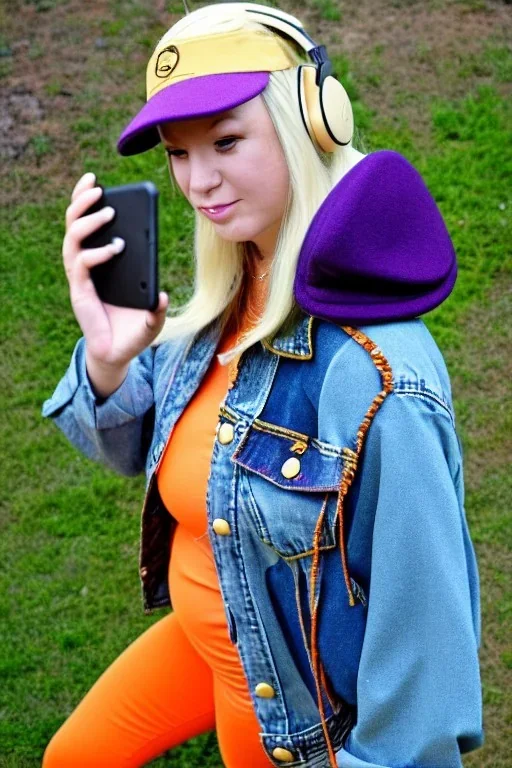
323,101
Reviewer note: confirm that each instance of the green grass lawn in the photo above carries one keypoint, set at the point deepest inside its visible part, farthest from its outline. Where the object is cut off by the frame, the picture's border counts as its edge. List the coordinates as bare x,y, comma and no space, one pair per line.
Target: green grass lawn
69,586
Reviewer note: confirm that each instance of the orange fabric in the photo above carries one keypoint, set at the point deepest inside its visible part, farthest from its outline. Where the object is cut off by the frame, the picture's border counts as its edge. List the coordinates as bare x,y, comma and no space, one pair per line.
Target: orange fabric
183,676
183,472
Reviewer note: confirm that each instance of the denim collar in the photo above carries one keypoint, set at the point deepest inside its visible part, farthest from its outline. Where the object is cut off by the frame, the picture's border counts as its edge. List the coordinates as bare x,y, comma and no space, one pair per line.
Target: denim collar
297,344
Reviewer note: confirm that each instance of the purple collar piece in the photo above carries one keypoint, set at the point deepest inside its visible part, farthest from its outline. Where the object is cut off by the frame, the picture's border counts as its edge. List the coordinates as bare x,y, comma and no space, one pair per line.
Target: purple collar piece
377,249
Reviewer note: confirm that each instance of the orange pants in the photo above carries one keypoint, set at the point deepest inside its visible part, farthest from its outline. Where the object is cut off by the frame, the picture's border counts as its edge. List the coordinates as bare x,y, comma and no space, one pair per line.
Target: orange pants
180,678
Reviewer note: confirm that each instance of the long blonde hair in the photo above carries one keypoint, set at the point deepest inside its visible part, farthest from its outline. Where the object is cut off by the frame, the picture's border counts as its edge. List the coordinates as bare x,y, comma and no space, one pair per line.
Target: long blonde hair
220,265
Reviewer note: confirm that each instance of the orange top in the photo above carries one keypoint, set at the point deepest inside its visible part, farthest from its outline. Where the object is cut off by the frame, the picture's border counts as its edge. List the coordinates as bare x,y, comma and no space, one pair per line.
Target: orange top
183,472
182,478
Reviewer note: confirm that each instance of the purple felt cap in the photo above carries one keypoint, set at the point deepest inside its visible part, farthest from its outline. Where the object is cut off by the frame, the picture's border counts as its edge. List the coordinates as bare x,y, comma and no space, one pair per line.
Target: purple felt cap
194,97
377,249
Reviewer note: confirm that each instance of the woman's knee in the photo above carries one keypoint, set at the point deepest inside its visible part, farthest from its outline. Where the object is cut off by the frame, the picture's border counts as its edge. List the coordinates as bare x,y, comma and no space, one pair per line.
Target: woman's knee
58,753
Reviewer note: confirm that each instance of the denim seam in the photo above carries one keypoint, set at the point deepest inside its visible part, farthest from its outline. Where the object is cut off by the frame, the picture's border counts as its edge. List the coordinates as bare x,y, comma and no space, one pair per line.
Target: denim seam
276,429
426,396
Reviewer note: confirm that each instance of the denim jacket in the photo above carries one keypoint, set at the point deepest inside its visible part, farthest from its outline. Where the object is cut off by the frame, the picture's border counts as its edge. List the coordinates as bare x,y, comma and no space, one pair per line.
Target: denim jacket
336,517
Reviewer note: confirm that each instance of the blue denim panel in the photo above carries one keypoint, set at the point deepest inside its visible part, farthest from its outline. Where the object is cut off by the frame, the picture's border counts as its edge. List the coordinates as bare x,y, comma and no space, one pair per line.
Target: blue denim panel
260,644
281,590
300,711
341,627
302,377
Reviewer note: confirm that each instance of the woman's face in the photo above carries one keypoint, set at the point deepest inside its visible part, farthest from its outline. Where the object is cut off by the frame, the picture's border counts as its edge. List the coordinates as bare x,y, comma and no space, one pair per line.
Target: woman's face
234,158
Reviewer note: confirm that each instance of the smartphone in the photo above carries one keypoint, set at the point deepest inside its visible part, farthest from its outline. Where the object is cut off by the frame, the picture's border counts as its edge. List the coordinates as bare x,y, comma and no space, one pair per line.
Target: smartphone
129,278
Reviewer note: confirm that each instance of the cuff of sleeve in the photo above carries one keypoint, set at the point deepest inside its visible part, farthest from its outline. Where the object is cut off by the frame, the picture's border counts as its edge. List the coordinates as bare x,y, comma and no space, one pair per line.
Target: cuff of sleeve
131,400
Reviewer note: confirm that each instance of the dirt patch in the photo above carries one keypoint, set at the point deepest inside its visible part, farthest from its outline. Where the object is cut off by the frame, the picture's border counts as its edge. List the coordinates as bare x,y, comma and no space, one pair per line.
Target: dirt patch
18,109
55,63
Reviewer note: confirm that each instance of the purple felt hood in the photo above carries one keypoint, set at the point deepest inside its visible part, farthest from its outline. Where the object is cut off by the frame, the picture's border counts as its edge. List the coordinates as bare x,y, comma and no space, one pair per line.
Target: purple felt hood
377,249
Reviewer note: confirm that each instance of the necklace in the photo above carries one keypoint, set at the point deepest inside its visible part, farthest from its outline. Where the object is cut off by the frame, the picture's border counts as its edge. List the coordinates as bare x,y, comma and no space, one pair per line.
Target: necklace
260,277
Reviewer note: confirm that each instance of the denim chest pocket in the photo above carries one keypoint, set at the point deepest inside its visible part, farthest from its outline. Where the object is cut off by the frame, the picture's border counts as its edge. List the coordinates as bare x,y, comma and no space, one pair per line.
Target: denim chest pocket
287,479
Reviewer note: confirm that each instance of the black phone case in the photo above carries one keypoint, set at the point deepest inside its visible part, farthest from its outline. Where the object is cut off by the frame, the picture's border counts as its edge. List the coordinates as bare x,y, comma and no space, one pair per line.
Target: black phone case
129,278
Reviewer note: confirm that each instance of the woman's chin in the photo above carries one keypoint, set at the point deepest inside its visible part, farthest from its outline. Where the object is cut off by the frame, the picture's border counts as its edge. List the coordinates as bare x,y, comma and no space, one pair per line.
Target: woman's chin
235,234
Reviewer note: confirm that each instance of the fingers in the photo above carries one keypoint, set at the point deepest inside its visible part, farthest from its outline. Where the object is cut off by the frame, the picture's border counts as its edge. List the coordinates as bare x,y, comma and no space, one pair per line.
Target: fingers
83,202
87,181
90,257
77,231
81,227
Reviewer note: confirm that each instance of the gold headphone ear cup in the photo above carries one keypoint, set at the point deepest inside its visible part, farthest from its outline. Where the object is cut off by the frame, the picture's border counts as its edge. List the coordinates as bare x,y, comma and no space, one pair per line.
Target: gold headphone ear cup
326,115
311,108
303,100
337,110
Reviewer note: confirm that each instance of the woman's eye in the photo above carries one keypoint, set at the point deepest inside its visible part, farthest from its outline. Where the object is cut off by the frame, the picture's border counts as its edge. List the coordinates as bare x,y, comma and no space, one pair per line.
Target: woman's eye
175,152
225,144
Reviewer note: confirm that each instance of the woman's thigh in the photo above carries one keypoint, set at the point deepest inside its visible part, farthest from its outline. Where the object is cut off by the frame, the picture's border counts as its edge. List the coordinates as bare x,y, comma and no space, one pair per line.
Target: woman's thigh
158,693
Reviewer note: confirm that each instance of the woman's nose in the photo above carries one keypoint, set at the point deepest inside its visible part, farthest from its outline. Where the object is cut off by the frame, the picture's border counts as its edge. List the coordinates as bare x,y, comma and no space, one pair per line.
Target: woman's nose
204,176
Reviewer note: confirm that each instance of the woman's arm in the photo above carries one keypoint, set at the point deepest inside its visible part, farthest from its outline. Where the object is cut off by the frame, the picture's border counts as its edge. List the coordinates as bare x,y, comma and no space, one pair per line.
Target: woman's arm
116,430
418,687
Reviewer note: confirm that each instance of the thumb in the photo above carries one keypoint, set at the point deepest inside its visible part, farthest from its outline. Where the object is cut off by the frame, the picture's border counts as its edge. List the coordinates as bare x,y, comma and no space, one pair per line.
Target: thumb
156,319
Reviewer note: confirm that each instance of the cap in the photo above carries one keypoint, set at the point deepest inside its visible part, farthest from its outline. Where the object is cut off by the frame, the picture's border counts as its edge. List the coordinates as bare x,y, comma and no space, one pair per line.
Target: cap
199,76
377,249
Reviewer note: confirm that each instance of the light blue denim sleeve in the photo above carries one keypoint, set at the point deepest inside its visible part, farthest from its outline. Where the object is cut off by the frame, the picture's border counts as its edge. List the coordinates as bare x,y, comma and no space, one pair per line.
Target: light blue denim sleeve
418,689
115,431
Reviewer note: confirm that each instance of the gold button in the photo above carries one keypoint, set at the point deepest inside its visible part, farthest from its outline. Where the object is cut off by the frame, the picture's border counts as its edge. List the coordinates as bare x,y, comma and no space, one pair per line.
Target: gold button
283,754
265,691
143,572
226,433
221,526
291,467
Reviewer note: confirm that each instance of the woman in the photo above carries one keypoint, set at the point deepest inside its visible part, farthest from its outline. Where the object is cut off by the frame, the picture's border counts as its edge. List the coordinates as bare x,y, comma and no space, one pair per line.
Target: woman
324,586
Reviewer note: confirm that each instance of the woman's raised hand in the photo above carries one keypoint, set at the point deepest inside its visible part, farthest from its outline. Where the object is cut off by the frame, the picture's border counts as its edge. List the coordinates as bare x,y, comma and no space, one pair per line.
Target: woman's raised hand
114,335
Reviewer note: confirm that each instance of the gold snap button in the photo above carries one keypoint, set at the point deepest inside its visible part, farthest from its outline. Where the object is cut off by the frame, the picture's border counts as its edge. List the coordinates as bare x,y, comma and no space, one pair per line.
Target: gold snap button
265,691
226,433
221,527
283,754
291,467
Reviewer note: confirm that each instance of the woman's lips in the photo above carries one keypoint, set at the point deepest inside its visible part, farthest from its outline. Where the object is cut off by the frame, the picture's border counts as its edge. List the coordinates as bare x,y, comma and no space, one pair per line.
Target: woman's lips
218,212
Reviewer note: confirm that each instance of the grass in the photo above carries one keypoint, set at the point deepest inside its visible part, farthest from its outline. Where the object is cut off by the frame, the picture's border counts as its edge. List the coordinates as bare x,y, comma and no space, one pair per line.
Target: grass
69,588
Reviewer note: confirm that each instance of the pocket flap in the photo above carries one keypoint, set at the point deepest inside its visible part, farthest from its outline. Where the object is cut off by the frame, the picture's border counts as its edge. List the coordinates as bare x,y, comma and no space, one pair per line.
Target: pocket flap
289,459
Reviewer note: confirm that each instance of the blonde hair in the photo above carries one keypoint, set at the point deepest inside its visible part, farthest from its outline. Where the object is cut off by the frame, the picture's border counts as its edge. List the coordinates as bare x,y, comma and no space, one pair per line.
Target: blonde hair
220,265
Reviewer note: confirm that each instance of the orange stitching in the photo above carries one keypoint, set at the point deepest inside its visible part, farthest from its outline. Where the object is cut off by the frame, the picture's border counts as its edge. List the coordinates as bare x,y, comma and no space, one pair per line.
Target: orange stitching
327,688
314,648
351,458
